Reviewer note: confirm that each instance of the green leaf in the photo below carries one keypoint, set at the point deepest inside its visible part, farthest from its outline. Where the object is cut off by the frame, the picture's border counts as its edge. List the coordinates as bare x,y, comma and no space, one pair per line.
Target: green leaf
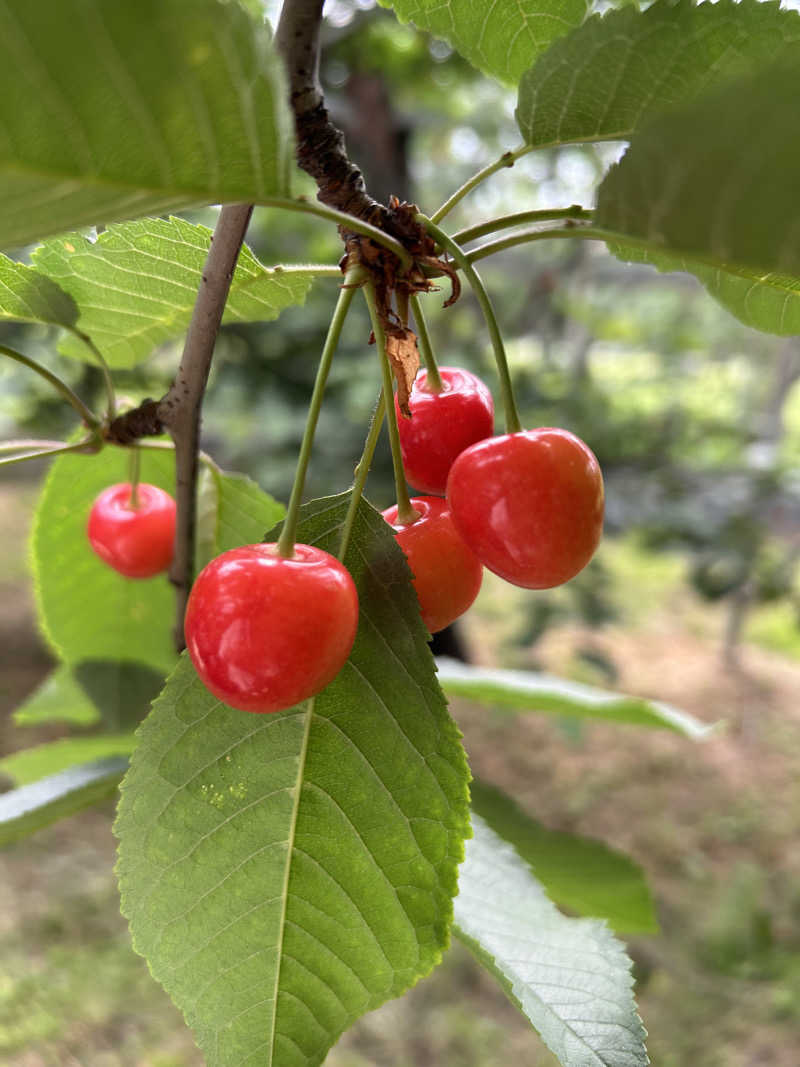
28,296
30,764
607,78
579,874
25,810
687,188
136,285
570,977
500,37
769,302
86,610
529,691
113,109
232,511
60,698
244,512
285,873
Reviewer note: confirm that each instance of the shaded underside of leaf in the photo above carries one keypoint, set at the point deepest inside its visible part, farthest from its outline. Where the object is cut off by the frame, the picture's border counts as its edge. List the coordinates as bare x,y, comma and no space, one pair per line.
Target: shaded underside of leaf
60,698
183,102
686,187
530,691
86,610
32,807
31,764
136,285
579,874
28,296
285,873
570,977
766,302
608,77
499,37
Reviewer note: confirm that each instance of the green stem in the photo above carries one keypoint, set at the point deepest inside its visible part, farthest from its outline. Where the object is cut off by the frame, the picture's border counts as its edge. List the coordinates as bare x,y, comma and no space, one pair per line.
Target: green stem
25,444
520,218
405,512
79,447
508,159
347,222
111,400
361,472
434,382
507,390
289,532
586,233
134,468
72,398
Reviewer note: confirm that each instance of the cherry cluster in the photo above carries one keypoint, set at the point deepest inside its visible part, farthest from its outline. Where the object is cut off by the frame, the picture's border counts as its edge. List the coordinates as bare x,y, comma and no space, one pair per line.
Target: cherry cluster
526,505
266,630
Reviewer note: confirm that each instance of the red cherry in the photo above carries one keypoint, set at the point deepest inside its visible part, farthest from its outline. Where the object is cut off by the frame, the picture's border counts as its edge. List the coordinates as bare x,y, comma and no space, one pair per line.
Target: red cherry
135,541
265,631
529,505
447,574
442,425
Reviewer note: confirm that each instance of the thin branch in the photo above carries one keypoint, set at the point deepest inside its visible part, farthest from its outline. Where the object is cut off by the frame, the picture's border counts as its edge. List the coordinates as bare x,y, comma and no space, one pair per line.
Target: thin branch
179,411
320,145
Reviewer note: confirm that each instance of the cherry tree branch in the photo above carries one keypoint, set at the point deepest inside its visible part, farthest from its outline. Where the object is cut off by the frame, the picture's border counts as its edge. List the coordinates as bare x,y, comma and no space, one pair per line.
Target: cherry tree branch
179,411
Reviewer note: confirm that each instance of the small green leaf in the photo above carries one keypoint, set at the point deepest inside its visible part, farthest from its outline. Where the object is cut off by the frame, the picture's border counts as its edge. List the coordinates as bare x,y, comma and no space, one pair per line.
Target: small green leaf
686,187
30,764
607,78
244,512
25,810
59,698
500,37
570,977
579,874
232,511
528,691
87,610
122,691
26,295
114,109
285,873
136,285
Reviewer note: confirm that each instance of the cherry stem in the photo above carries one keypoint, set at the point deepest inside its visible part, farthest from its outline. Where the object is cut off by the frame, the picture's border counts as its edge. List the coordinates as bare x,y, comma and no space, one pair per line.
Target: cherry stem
434,382
134,469
88,443
288,535
71,397
361,472
111,400
508,159
586,233
520,218
512,420
405,512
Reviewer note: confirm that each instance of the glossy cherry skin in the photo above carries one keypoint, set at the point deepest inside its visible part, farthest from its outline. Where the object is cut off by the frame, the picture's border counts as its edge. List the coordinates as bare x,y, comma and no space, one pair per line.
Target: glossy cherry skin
447,574
137,542
264,631
442,425
529,504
